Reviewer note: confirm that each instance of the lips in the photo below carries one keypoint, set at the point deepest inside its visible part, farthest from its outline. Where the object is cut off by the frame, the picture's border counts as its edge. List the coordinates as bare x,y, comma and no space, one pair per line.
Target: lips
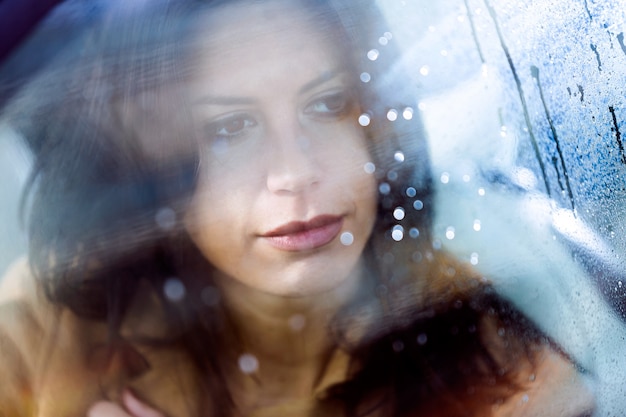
300,236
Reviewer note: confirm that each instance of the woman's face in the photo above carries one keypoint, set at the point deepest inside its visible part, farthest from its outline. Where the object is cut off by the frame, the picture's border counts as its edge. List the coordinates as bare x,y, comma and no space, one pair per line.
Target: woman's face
283,204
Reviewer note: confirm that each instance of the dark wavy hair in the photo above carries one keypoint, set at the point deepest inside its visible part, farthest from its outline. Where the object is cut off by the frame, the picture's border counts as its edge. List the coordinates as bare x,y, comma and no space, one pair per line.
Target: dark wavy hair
105,211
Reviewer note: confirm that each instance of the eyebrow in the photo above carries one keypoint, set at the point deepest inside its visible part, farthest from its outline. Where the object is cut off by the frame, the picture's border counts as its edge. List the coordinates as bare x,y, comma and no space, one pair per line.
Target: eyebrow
237,101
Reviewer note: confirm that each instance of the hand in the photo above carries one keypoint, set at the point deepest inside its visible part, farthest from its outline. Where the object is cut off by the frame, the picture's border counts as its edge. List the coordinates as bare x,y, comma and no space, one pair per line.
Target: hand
132,408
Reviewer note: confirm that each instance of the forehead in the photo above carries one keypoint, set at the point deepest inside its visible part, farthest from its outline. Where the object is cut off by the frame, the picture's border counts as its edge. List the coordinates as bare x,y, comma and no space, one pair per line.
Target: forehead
249,39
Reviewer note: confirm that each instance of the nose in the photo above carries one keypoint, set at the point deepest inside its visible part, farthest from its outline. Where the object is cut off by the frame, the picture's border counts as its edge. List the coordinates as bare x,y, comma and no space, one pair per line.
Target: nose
292,166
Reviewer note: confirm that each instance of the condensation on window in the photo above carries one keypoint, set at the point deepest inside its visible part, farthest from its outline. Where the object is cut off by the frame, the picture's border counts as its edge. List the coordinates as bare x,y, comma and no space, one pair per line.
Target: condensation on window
524,104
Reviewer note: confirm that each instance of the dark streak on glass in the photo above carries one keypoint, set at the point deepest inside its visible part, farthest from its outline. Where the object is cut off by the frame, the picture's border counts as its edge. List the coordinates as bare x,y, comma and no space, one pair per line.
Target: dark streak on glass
620,39
595,51
588,11
474,35
535,74
555,164
582,92
520,93
618,135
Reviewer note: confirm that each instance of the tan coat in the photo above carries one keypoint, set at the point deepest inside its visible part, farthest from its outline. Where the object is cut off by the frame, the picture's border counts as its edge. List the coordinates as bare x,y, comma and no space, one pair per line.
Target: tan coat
51,364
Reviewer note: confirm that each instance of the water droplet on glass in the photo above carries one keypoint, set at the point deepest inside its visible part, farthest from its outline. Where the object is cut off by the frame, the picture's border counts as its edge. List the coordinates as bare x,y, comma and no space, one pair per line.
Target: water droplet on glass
474,258
461,18
210,296
398,346
397,233
481,192
477,225
392,115
248,363
398,213
425,70
364,119
443,52
388,35
450,233
418,205
372,54
383,41
165,218
174,289
366,77
297,322
445,178
414,232
398,156
392,175
346,238
219,146
422,339
417,257
384,188
466,178
525,398
369,167
421,105
411,192
407,113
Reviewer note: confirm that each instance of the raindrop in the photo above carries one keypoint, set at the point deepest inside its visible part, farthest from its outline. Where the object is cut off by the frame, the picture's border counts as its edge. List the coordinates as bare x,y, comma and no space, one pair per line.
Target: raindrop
398,156
407,113
398,213
411,192
372,54
364,119
414,232
422,339
481,192
450,233
369,167
388,35
444,52
219,146
398,233
421,105
346,238
474,258
398,346
425,70
384,188
392,175
174,289
525,398
366,77
392,115
297,322
417,257
248,363
418,205
210,296
383,41
165,218
445,178
466,178
477,225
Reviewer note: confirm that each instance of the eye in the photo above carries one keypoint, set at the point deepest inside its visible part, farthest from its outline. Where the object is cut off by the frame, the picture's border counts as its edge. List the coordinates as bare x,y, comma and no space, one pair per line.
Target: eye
230,126
329,105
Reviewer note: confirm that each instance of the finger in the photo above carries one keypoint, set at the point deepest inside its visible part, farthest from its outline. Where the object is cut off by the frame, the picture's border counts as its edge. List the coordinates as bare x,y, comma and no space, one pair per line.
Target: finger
106,409
136,407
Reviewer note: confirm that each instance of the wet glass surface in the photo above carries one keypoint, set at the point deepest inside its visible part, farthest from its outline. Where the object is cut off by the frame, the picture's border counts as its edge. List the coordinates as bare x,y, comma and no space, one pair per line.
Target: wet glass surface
523,104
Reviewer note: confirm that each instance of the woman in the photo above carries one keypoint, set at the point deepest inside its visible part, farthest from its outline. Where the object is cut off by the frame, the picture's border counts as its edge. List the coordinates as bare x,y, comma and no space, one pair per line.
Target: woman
228,220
